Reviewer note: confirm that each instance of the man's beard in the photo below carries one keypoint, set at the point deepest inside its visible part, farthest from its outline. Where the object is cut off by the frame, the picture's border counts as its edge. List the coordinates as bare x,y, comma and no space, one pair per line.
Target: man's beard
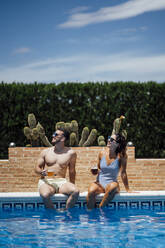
56,141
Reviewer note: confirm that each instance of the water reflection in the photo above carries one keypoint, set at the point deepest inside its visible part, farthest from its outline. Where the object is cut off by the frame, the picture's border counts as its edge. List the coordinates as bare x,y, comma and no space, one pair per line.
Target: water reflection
83,228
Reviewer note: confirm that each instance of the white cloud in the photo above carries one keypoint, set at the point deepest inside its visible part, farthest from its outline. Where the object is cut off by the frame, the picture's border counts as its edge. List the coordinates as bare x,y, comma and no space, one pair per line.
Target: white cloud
126,10
89,67
117,36
21,50
79,9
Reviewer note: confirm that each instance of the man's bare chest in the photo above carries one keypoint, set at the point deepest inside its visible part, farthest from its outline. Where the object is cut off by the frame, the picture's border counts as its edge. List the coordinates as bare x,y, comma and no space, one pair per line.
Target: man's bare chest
52,158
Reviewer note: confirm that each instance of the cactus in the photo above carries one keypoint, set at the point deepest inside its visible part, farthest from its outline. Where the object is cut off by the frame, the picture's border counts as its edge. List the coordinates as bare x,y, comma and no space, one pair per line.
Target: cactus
91,138
27,132
101,141
73,129
42,135
117,124
74,126
84,136
32,121
124,133
35,133
73,139
32,135
68,127
118,127
60,125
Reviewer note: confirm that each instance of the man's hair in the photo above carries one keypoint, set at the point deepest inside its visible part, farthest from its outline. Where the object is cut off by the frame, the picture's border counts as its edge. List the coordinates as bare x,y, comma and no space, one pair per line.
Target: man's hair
66,133
120,139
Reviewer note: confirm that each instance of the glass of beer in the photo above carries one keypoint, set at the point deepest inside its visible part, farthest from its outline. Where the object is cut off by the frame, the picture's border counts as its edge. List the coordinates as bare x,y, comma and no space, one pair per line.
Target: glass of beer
50,172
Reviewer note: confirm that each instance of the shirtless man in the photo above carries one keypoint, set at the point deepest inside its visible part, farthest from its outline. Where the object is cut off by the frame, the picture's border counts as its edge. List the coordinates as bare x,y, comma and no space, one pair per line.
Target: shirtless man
57,159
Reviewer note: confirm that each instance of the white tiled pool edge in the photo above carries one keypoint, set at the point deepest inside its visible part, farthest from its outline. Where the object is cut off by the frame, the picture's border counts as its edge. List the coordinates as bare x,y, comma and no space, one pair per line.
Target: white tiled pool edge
32,200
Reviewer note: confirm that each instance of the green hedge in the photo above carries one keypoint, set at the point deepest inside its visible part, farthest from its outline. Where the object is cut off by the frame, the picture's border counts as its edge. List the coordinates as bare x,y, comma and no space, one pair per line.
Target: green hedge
95,105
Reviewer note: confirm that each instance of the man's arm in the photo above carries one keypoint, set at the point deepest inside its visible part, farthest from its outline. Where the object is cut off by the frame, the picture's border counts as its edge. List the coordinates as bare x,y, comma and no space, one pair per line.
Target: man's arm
72,170
40,164
124,177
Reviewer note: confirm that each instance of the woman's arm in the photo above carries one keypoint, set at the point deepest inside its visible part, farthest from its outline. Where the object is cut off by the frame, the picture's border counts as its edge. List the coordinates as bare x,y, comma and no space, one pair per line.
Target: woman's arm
123,166
95,169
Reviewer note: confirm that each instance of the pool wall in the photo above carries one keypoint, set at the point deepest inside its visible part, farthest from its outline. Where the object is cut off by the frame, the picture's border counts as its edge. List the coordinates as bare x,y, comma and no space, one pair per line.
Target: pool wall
32,200
17,173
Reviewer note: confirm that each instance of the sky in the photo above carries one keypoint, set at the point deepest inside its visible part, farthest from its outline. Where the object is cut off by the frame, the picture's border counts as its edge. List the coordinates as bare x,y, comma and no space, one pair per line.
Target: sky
82,40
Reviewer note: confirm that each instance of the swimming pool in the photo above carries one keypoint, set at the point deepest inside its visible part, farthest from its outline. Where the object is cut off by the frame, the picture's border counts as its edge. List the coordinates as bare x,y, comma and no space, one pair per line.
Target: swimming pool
79,227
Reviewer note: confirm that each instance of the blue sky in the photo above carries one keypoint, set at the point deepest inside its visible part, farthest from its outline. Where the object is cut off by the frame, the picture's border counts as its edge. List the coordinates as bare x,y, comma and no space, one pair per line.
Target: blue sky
82,40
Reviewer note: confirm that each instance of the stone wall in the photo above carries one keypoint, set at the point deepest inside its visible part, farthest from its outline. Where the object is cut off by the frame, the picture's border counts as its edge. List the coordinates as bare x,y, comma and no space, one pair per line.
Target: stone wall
17,173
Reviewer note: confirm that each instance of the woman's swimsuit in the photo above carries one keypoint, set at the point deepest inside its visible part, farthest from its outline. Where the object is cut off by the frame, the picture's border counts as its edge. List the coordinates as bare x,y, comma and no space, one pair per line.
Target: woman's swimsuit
108,173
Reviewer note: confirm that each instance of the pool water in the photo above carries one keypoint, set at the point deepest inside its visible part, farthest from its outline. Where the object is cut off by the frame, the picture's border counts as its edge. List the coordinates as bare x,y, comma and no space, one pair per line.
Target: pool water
83,228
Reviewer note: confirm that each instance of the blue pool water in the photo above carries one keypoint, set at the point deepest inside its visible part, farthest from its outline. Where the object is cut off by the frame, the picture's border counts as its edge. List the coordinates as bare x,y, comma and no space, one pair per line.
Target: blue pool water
83,228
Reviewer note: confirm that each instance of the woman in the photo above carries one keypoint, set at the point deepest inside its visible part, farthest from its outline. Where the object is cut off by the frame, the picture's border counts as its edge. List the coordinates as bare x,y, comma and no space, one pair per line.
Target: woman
112,160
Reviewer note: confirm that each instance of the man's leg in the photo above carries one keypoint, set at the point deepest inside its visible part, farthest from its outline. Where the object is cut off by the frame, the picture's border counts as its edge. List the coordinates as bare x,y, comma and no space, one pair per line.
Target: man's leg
71,190
46,191
111,190
94,189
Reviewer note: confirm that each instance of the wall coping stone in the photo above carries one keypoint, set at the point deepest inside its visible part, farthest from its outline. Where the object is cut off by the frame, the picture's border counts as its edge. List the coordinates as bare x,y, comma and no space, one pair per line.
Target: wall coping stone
137,195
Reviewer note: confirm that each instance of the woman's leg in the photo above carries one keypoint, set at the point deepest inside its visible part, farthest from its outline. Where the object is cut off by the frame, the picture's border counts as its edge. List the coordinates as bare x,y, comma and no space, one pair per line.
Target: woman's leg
110,191
93,190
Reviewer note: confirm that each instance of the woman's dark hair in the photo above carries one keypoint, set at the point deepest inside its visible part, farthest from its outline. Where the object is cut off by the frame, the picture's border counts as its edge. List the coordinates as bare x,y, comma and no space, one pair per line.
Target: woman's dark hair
120,139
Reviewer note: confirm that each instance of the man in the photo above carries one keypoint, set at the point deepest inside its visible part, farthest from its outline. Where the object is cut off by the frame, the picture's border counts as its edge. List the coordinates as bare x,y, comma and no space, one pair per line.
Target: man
57,159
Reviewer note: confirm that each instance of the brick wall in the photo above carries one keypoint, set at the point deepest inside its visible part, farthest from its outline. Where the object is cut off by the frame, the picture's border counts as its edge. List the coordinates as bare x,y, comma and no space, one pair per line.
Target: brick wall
17,173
